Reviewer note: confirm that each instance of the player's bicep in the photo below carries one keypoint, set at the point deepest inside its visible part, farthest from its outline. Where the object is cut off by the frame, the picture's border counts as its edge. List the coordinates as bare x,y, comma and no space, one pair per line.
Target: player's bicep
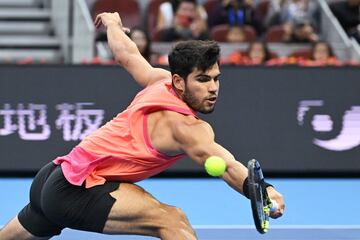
143,73
198,142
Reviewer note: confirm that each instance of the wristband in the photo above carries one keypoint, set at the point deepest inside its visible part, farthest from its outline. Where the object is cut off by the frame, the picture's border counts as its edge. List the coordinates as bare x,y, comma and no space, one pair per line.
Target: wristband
246,187
266,184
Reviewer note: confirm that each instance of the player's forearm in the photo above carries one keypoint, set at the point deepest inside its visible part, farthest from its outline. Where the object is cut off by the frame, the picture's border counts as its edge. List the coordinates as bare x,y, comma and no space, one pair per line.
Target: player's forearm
120,44
235,175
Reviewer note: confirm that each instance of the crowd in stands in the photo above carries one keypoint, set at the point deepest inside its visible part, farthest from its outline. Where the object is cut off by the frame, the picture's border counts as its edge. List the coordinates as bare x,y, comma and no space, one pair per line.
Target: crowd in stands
252,22
348,14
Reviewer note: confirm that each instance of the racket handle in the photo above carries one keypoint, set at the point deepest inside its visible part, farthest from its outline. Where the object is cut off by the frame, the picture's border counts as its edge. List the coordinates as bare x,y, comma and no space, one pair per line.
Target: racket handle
274,206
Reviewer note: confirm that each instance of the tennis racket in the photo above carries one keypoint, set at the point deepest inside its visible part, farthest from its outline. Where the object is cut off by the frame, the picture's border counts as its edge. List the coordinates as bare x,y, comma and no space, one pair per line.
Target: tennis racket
261,204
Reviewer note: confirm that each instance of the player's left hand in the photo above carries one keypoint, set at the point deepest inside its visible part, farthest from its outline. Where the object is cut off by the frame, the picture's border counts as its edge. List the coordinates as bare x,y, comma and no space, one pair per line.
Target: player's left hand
108,19
276,196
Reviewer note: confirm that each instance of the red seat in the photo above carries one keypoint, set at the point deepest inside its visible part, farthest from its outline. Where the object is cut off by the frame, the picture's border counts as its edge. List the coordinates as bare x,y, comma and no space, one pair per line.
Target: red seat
275,34
219,33
152,14
129,10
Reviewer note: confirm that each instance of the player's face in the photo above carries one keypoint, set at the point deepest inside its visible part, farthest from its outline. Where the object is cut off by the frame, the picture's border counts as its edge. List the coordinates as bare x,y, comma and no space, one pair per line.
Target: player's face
202,88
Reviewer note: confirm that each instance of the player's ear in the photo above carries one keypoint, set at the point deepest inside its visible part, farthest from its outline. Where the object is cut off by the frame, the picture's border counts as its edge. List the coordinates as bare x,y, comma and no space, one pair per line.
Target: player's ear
178,82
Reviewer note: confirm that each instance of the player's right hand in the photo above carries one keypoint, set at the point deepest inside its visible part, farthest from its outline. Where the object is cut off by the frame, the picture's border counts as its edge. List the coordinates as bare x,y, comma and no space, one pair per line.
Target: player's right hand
276,196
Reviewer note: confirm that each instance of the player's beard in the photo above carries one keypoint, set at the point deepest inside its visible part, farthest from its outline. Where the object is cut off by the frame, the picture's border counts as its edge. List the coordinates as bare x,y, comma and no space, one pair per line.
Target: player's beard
196,104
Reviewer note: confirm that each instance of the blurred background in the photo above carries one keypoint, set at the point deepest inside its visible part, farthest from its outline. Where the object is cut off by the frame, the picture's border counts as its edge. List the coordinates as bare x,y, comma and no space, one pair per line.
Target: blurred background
289,89
251,32
290,85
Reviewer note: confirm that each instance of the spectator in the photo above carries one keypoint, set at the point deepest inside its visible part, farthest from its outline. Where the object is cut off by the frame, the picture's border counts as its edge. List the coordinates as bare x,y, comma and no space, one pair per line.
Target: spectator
165,16
303,32
234,12
236,34
348,14
294,11
321,51
321,54
299,19
257,53
186,24
142,40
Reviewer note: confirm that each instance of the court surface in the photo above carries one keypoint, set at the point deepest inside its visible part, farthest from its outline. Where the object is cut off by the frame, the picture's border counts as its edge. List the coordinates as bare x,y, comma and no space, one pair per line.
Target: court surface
244,233
316,209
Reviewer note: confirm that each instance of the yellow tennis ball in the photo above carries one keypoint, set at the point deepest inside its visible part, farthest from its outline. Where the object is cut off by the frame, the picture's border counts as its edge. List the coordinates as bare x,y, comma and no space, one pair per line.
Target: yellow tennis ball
215,166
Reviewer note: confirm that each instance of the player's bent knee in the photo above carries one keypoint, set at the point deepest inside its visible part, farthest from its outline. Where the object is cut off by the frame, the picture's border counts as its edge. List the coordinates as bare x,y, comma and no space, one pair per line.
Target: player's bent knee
176,219
175,213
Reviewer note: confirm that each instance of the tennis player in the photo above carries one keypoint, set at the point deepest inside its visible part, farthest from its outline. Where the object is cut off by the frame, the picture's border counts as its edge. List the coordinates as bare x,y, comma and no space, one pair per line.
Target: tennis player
92,188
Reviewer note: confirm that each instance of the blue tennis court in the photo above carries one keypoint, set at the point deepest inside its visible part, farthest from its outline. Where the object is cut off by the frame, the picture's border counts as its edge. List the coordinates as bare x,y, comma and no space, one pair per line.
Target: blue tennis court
244,233
316,209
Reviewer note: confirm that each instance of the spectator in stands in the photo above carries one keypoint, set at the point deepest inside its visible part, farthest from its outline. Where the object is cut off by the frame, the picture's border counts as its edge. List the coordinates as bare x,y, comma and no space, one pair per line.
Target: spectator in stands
321,51
257,53
294,11
321,54
142,40
303,32
186,25
234,12
348,14
165,16
299,18
236,34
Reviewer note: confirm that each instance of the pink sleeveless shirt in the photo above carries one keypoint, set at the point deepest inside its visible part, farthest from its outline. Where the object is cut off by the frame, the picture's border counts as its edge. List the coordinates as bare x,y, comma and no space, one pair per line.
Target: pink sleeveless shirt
121,149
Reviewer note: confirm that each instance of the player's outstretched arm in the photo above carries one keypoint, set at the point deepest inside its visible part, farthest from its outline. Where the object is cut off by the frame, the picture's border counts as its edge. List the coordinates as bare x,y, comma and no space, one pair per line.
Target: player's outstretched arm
126,52
197,139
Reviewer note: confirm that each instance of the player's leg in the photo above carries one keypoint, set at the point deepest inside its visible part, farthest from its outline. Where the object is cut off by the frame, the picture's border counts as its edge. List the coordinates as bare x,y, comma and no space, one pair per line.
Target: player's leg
135,211
31,223
15,231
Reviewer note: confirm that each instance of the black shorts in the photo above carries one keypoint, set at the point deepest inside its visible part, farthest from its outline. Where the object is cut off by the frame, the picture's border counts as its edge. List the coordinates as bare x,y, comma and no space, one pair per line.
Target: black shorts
56,204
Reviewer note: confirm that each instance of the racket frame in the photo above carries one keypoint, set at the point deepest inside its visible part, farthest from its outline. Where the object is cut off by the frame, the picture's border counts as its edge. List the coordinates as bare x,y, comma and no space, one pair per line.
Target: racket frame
258,193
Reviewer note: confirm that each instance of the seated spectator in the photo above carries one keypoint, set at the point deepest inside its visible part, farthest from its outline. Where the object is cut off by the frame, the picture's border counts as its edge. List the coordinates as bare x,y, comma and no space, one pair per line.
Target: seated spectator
303,32
235,34
348,14
234,12
321,54
321,51
275,8
257,53
300,19
165,16
143,43
186,24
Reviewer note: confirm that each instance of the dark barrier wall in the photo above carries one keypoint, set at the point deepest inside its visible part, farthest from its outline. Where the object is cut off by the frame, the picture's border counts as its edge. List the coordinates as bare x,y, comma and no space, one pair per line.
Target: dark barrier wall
294,120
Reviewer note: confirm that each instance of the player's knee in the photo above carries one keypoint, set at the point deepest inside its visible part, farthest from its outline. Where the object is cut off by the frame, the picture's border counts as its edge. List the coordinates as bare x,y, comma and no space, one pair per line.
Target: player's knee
178,221
177,214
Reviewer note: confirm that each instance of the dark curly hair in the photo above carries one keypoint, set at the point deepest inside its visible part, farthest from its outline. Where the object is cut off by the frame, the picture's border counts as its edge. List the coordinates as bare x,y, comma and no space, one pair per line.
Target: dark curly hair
188,55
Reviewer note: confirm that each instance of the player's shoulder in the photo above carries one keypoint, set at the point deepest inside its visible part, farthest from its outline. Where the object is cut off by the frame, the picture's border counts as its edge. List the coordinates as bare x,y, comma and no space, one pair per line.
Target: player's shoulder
180,118
187,125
